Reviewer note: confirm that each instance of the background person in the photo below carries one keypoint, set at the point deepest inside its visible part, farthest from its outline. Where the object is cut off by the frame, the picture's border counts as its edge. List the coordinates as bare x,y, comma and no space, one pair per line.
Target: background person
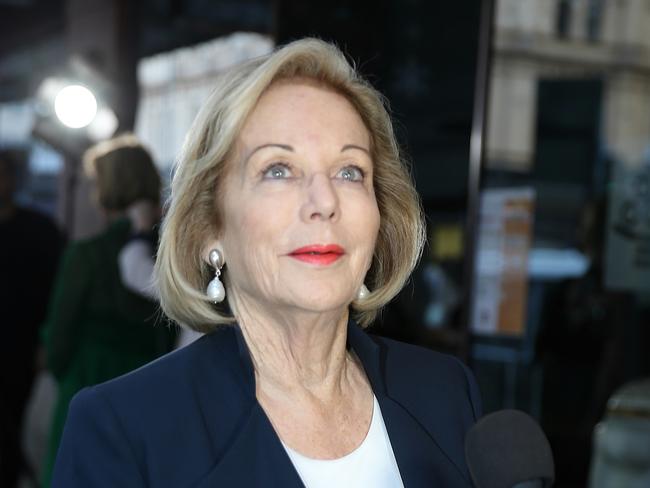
96,329
136,258
30,245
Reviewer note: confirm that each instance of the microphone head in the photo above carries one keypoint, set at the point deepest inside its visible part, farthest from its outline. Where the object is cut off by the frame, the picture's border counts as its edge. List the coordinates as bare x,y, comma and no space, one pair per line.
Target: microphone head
506,448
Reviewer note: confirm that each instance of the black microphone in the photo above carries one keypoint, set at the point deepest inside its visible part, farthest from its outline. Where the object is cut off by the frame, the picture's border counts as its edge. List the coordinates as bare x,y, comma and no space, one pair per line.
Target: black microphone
507,449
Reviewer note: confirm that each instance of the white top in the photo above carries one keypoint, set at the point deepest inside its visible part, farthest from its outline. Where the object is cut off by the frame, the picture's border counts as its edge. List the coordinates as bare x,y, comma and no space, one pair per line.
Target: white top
371,464
136,271
136,268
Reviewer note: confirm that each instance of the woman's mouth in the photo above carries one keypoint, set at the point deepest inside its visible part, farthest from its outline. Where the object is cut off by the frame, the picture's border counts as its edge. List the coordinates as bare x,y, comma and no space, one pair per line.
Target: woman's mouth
318,254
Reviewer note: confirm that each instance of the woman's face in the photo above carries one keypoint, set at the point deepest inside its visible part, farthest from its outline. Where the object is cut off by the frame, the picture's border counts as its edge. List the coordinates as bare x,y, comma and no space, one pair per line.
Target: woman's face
300,214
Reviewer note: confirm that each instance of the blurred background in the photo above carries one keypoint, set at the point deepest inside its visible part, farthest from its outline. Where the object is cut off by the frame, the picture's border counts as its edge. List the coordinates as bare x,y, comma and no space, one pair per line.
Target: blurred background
527,123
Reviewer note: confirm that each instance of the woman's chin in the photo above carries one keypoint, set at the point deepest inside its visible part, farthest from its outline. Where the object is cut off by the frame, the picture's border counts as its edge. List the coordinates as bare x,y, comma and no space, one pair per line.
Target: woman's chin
319,302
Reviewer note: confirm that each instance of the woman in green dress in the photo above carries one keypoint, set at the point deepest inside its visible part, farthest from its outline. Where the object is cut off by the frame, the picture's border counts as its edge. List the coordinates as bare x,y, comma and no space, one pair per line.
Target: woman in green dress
96,328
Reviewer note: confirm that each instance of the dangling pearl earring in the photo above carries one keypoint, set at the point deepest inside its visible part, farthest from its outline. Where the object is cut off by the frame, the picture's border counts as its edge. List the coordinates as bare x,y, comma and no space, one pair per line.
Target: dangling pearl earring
363,293
216,292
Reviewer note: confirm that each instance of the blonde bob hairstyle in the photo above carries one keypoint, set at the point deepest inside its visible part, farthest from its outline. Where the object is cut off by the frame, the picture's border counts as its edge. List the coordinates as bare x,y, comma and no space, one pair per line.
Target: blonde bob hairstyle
193,217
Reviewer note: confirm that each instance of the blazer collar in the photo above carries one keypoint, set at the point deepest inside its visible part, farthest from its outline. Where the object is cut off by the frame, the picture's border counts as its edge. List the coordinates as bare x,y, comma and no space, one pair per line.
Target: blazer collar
246,363
370,355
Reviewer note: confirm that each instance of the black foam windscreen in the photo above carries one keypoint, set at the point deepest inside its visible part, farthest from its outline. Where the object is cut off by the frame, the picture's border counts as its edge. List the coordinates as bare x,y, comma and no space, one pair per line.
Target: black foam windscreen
506,448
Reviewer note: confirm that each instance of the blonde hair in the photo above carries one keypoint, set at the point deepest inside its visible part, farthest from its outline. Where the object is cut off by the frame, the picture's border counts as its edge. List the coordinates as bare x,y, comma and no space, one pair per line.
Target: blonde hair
123,171
193,217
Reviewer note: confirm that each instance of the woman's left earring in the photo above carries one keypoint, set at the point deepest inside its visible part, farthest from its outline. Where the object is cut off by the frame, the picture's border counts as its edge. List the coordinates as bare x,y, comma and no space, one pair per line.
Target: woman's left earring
216,292
363,293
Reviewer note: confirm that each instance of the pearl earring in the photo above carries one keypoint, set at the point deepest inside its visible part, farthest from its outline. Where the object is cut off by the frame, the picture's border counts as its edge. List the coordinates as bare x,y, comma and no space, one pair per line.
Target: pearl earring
363,293
215,291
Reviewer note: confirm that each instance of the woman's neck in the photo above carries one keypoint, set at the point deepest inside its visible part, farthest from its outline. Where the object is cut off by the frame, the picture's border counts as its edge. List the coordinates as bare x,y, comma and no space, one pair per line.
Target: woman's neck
297,351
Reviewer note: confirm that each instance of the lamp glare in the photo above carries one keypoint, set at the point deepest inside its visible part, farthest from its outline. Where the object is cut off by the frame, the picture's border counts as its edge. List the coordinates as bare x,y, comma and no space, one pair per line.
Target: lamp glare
75,106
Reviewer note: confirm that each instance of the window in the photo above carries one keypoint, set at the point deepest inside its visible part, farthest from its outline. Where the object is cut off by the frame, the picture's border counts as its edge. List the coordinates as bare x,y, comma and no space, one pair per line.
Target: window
563,19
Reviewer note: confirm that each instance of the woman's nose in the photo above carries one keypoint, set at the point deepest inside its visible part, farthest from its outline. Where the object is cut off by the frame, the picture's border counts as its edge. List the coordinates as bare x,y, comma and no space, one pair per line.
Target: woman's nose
321,202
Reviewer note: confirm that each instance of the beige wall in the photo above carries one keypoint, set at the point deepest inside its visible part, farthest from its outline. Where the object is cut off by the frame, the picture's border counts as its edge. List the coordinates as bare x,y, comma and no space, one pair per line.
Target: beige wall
526,48
512,115
627,117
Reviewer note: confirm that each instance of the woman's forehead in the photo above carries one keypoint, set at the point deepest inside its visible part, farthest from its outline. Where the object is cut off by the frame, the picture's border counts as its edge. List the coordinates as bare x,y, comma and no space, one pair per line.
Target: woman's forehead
293,108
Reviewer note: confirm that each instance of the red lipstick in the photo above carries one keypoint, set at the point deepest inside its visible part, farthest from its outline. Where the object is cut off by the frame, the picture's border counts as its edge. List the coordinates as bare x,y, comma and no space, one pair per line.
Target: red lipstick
318,254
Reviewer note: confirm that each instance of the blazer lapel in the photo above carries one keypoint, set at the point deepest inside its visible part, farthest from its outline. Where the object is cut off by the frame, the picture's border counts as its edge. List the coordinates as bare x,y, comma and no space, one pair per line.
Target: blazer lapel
420,459
421,462
255,458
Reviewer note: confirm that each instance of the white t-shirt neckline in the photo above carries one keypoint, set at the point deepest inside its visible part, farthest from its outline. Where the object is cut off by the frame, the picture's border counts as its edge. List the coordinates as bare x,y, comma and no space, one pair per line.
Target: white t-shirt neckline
372,463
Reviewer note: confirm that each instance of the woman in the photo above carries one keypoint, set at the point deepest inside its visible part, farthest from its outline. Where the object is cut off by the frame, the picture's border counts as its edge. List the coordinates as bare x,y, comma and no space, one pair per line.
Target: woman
96,329
292,210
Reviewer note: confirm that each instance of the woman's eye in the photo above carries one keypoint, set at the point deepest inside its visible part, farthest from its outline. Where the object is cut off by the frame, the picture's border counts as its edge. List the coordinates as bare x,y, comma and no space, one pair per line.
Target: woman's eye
277,171
351,173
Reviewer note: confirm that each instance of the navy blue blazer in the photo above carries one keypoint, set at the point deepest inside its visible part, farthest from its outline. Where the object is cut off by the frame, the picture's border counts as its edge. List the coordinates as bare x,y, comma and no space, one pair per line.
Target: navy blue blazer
191,419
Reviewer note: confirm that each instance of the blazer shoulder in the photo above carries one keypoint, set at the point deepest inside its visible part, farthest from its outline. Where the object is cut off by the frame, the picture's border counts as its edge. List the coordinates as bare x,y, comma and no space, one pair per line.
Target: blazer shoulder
413,355
430,375
93,432
179,376
184,410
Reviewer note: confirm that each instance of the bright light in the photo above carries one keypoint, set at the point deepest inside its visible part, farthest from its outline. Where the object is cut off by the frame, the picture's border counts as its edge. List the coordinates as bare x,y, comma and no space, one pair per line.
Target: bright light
104,125
75,106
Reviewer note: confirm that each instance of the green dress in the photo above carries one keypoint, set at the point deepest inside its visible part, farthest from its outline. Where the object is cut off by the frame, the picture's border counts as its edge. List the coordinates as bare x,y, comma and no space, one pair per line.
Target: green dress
96,329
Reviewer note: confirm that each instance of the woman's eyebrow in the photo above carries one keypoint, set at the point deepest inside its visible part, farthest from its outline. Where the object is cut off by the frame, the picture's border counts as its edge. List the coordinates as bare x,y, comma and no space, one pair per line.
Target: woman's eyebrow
286,147
354,146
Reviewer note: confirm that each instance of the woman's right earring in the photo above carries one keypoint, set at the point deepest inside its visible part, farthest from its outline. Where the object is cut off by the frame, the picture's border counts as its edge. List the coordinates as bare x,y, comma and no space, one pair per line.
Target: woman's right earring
216,291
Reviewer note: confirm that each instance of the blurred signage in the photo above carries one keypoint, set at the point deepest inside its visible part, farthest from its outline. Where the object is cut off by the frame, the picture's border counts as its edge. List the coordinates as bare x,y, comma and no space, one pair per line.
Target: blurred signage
501,272
627,259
